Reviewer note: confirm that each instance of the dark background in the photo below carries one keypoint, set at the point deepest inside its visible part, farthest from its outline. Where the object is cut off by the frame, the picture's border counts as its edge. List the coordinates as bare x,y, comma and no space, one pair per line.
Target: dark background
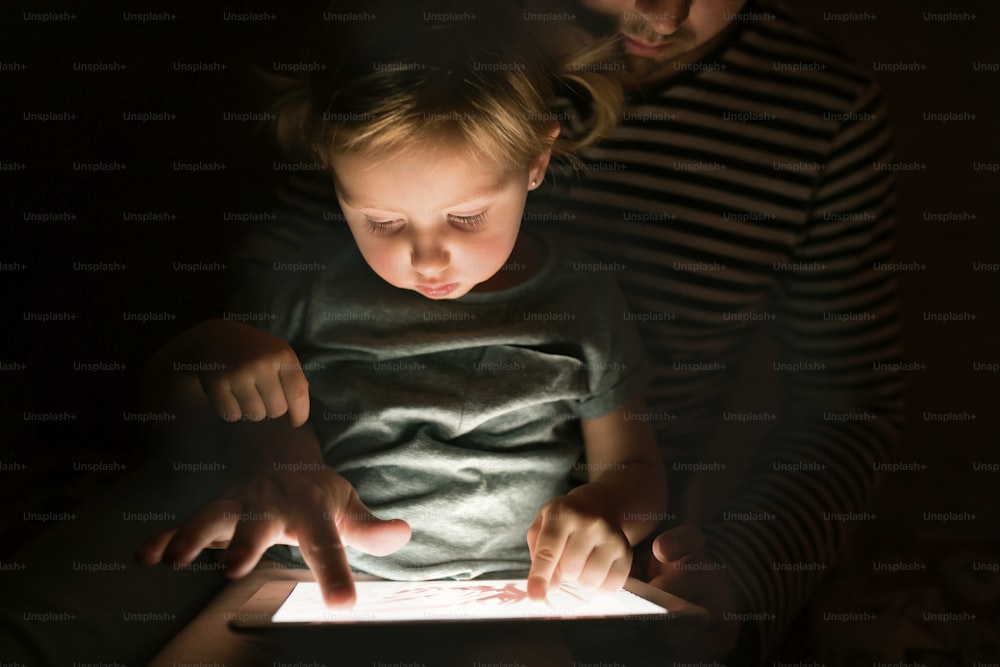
37,75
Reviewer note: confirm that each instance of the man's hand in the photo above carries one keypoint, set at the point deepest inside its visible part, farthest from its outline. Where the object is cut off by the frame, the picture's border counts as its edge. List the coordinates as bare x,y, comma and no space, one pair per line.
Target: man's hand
571,540
680,566
285,494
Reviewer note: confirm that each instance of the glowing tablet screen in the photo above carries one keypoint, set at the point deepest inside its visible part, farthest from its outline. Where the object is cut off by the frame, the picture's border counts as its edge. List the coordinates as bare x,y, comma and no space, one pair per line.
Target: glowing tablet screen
407,601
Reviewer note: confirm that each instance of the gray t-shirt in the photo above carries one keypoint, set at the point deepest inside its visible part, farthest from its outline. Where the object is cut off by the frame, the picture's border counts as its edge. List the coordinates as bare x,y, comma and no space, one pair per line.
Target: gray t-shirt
460,416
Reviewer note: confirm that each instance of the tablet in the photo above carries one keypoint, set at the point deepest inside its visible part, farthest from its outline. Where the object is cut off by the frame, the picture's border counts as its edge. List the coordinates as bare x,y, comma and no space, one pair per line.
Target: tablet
288,604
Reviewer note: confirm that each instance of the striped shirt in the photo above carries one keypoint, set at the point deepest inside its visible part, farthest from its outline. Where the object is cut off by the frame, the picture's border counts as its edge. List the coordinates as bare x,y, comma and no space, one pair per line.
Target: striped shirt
751,189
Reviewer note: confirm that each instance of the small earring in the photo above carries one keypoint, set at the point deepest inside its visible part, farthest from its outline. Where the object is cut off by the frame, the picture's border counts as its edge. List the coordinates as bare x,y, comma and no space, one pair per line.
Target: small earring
534,183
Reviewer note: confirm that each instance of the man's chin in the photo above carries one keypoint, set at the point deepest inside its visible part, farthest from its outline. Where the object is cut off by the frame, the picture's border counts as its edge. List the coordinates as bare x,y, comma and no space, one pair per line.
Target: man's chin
649,68
666,64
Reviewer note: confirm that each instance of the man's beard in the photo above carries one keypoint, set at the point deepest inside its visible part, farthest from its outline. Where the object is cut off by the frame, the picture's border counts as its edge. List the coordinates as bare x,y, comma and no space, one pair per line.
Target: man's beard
681,41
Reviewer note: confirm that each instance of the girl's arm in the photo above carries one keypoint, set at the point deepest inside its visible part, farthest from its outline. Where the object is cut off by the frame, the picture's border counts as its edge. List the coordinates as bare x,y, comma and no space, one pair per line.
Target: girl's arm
243,372
625,470
586,535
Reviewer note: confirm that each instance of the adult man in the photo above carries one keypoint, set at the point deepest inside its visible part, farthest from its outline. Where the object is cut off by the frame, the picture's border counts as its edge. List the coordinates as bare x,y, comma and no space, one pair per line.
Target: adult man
743,187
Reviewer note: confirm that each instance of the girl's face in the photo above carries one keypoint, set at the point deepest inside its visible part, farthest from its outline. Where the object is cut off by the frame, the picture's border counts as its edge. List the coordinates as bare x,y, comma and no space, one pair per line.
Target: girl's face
435,221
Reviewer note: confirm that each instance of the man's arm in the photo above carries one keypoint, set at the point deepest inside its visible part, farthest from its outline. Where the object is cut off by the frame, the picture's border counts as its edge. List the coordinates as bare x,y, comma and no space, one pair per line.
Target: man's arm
280,490
838,334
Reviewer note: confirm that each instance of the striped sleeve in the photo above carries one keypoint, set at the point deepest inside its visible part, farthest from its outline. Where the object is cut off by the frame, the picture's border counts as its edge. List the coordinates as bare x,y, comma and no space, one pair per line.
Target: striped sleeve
837,331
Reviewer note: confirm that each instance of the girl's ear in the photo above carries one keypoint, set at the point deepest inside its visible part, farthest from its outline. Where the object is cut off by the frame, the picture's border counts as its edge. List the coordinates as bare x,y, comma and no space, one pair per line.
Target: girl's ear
536,170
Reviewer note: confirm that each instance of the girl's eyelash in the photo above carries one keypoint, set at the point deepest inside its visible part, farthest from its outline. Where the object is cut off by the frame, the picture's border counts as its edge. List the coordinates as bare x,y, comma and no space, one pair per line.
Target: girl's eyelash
379,226
387,226
470,220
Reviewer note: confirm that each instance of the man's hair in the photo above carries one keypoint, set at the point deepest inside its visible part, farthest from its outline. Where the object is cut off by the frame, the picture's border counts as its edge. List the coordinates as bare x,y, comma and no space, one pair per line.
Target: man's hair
479,74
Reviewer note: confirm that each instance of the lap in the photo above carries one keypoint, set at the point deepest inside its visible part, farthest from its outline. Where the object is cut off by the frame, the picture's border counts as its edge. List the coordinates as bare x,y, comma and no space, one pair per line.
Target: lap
77,596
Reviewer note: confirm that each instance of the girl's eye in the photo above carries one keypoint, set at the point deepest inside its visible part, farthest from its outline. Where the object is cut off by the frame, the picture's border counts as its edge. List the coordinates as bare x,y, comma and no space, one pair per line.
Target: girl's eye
391,226
381,226
469,220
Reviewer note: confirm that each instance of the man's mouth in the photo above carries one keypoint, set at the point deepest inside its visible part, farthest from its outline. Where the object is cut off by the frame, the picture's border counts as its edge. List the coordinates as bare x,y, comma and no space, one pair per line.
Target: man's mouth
635,46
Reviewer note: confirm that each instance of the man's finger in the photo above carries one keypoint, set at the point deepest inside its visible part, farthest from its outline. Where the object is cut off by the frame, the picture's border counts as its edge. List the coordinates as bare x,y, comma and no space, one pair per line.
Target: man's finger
686,581
677,543
364,531
251,539
214,522
323,552
150,552
679,564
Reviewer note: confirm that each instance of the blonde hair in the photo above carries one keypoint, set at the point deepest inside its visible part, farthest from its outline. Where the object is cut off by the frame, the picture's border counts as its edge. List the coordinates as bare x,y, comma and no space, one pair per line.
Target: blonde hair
419,73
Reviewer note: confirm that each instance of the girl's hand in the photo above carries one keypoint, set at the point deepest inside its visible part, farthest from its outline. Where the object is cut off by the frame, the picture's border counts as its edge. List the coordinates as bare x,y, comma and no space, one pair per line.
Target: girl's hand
572,540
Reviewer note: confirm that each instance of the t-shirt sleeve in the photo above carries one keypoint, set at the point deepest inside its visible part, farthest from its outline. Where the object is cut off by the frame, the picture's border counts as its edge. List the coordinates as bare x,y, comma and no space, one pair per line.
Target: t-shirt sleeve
275,284
277,261
615,360
276,306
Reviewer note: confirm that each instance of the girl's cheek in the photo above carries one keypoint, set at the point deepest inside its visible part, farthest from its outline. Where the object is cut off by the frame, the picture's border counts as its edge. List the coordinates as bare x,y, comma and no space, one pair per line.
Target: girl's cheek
393,259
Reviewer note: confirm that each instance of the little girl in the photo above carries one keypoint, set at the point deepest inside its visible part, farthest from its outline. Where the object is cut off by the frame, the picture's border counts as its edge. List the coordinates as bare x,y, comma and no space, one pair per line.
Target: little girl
457,367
